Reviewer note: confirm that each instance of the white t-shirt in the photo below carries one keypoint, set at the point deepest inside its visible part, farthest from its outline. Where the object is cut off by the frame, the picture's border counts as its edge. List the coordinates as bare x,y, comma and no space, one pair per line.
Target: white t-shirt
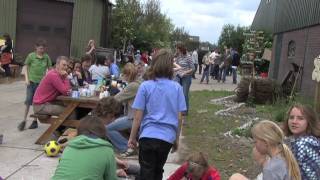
195,57
99,71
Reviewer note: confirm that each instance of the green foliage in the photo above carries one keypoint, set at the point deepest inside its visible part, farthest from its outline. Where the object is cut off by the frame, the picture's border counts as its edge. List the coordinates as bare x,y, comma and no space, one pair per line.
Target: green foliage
125,19
277,111
232,36
141,24
243,132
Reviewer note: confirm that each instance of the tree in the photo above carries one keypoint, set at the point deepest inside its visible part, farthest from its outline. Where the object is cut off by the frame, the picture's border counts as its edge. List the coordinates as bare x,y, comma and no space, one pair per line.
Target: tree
179,35
232,36
155,27
142,24
125,20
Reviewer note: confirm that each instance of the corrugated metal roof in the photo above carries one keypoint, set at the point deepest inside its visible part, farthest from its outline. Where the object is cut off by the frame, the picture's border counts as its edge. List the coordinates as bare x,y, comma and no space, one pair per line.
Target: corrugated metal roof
286,15
265,16
69,1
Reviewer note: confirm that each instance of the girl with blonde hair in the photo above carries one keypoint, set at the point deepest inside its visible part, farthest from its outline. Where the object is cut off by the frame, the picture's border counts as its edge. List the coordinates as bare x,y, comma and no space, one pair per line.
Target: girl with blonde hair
268,138
126,97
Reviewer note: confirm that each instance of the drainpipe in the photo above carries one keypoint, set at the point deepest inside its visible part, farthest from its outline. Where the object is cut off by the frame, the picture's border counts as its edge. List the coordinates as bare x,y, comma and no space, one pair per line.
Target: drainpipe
304,56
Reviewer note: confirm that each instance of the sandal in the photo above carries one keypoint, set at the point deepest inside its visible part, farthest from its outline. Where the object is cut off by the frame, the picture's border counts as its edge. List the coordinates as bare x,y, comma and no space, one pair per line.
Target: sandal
129,152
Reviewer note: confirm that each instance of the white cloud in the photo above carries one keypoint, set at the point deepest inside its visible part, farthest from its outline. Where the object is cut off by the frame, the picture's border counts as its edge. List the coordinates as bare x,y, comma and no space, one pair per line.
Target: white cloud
205,18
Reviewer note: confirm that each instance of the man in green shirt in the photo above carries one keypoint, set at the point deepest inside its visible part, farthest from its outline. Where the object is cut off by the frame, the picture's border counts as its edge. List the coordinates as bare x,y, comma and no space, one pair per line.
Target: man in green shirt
36,65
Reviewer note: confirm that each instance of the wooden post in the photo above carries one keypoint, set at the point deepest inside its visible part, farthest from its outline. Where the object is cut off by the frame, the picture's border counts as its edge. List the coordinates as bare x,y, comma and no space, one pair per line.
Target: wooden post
317,98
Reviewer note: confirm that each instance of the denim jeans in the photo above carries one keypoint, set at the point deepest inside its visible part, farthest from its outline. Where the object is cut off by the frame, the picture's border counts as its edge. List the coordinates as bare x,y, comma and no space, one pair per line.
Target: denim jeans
222,74
185,82
31,89
205,75
113,134
234,75
195,70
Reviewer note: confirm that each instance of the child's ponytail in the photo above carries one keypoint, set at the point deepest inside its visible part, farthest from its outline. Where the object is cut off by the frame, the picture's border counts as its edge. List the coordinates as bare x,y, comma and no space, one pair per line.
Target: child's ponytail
292,164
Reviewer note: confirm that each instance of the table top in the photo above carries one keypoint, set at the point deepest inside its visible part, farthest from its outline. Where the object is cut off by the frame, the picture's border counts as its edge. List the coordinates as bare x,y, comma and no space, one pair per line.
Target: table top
93,99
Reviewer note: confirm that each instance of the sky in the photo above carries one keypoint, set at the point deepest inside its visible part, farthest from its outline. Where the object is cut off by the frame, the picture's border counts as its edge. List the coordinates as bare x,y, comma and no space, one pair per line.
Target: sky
205,18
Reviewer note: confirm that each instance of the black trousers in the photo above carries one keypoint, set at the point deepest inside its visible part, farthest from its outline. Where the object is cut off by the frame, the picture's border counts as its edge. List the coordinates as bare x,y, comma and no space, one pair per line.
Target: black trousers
7,70
153,154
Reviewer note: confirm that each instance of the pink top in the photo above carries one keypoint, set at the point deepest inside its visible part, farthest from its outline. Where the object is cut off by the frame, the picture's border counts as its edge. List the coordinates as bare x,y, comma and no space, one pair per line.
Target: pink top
51,86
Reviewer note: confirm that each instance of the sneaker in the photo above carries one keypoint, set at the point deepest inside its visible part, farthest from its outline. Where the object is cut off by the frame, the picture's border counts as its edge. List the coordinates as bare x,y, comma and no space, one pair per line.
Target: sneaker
129,152
22,125
33,125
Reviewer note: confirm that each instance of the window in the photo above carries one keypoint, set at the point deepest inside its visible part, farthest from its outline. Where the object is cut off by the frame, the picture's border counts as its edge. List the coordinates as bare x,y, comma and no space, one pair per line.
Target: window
27,27
291,49
44,28
268,1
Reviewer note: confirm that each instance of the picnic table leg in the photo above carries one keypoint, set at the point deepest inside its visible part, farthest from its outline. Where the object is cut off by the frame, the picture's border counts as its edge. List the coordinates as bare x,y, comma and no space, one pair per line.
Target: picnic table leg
46,135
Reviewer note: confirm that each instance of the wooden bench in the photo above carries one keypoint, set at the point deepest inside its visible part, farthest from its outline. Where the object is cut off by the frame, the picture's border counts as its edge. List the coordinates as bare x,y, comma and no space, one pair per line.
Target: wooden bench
15,70
46,119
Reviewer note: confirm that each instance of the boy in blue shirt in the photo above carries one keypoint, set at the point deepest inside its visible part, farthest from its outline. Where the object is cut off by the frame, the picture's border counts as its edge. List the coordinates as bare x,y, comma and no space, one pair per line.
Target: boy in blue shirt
158,104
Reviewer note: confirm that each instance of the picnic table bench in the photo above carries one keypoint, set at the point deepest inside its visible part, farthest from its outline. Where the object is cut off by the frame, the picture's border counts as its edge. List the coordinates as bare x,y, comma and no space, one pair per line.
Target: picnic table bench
56,121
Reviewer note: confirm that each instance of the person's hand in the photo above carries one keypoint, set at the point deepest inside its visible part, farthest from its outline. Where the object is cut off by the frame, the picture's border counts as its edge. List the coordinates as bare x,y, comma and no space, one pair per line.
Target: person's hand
78,74
69,92
175,146
63,73
121,173
182,74
132,143
123,164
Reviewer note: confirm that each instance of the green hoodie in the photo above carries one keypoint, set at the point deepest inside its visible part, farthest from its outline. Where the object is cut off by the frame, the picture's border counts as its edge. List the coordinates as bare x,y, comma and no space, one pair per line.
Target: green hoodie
87,158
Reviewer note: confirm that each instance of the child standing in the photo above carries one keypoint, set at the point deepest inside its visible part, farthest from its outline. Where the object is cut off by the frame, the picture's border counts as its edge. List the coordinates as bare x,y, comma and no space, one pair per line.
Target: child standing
36,65
158,104
268,139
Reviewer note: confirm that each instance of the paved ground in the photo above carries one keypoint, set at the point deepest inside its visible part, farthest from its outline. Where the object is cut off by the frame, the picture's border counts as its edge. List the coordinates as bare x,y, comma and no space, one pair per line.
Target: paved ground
21,159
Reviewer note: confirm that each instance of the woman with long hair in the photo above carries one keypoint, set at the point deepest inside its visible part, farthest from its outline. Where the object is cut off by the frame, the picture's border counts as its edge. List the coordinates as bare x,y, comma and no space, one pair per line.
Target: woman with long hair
126,97
303,128
269,142
158,106
99,70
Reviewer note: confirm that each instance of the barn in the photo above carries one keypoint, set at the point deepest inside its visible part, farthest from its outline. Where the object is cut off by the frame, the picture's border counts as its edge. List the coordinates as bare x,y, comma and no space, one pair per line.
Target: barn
66,25
295,26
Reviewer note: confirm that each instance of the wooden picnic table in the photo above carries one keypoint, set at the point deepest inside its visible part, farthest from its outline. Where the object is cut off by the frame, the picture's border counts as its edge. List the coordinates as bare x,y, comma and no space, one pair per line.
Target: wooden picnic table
71,105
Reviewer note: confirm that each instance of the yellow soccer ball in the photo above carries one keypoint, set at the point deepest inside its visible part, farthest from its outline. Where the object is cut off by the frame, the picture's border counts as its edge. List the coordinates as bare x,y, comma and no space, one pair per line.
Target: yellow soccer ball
52,148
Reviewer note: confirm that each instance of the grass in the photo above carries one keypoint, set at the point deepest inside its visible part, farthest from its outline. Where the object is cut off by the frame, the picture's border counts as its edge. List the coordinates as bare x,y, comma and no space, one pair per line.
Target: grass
205,133
277,111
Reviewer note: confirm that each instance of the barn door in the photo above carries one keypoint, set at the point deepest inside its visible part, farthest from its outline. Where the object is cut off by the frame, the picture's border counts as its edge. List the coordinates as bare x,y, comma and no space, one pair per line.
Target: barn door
46,19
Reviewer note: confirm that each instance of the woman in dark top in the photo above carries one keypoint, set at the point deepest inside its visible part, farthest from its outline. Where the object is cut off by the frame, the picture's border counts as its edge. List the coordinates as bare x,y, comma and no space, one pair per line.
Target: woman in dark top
6,54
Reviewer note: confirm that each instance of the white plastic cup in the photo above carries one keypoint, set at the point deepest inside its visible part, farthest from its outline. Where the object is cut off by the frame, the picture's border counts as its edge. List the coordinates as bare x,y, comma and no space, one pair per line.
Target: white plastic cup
92,87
